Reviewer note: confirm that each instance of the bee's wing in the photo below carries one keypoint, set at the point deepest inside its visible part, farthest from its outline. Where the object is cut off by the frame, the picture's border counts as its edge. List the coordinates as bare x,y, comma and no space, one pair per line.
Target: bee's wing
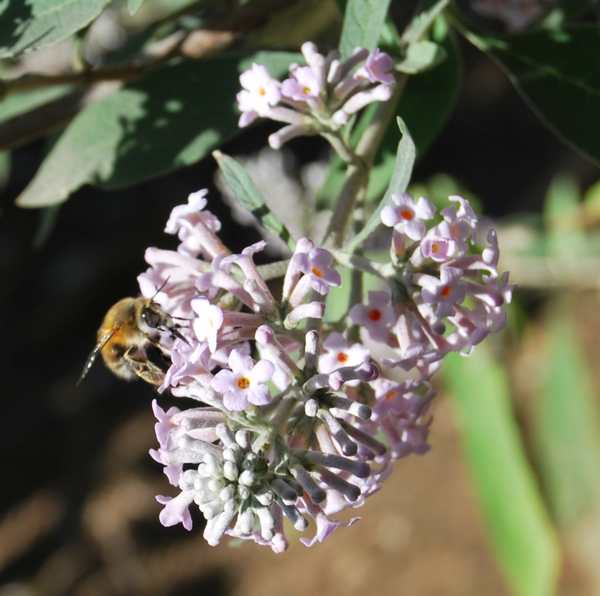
90,359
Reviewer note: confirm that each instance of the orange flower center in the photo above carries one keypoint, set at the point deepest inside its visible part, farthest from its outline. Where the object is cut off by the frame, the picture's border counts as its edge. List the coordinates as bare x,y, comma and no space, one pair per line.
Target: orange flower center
446,291
243,383
316,271
435,247
407,214
342,357
392,394
262,91
374,314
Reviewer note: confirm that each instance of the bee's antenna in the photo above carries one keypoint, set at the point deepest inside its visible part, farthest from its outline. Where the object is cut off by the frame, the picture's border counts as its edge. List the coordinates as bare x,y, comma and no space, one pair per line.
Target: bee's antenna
160,288
94,353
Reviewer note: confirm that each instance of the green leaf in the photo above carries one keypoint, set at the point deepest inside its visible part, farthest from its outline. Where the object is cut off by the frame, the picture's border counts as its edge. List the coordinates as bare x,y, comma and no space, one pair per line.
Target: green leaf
591,200
147,128
245,192
567,425
557,74
405,159
523,540
429,97
363,24
5,168
424,19
134,5
32,24
338,299
16,104
562,216
420,56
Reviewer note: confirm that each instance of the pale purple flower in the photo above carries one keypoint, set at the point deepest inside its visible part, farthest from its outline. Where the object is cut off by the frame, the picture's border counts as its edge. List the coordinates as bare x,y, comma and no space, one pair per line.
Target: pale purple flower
245,383
436,247
408,216
171,281
378,68
207,322
189,361
377,317
176,510
195,227
339,352
319,97
317,265
303,85
164,423
444,292
400,412
259,92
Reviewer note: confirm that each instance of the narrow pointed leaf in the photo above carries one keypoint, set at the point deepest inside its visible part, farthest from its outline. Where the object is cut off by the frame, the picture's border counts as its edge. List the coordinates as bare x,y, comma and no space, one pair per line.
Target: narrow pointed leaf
249,197
522,538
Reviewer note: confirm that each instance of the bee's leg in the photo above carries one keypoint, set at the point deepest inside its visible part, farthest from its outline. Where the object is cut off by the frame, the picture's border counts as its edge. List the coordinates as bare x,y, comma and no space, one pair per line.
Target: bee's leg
143,368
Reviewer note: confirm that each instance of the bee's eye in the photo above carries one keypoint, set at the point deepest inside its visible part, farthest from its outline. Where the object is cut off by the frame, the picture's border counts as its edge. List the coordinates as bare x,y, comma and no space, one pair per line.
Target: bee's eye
150,317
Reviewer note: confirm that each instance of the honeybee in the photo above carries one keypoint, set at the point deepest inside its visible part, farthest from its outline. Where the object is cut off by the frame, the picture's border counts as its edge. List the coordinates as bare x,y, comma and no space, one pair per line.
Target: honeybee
129,340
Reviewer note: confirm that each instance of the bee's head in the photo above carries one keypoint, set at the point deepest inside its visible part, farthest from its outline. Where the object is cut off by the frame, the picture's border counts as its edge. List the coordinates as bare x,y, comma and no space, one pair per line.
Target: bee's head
151,318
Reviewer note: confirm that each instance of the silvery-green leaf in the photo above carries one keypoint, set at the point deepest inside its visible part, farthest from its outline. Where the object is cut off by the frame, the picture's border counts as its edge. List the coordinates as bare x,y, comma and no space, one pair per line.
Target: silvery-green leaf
248,196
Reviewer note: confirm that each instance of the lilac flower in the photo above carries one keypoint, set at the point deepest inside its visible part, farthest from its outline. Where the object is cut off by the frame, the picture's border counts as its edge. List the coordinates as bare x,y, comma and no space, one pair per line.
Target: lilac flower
259,92
176,510
339,352
303,85
400,412
331,421
377,317
245,383
208,321
378,68
447,267
408,216
317,264
318,97
443,292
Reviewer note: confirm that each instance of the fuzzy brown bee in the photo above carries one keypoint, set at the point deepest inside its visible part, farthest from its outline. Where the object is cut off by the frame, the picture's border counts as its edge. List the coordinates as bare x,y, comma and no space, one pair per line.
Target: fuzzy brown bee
129,334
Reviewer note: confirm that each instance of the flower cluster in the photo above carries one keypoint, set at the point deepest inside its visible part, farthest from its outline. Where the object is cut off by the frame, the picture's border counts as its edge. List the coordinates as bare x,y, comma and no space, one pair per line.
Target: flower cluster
445,293
320,96
297,419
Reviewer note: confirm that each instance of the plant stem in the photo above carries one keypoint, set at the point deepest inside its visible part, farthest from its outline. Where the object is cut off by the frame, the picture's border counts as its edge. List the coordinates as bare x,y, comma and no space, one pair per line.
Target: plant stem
357,174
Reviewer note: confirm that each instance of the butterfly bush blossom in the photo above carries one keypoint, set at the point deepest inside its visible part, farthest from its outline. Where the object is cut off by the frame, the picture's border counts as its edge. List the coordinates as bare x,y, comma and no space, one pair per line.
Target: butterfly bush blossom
296,420
289,420
318,97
